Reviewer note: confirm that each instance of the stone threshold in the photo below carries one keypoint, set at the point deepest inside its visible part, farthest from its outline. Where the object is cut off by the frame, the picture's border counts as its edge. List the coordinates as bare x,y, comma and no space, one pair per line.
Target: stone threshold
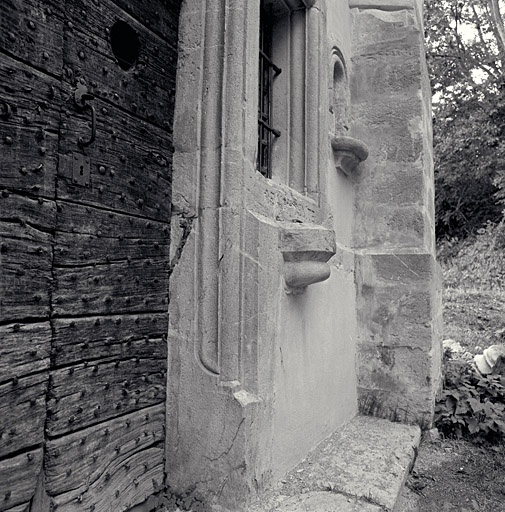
362,467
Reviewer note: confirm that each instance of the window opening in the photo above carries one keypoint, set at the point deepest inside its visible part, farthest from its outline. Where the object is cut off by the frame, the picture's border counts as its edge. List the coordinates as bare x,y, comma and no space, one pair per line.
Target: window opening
267,72
339,99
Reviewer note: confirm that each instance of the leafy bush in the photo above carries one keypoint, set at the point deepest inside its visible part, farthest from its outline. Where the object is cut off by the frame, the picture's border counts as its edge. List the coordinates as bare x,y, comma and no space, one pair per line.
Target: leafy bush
471,405
467,147
476,261
466,68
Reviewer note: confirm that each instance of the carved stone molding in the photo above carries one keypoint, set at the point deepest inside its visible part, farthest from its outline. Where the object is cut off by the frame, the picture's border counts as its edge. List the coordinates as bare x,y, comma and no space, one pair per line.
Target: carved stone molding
306,250
215,151
297,33
219,134
291,5
299,4
383,5
348,153
340,95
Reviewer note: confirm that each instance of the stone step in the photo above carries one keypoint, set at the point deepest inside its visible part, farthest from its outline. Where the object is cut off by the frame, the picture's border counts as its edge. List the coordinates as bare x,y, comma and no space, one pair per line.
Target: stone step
362,467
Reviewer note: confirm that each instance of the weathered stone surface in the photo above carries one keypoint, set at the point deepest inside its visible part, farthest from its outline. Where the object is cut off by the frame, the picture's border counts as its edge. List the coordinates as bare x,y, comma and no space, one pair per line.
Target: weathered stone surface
227,290
394,207
401,389
399,335
305,248
300,274
348,153
280,369
387,5
363,464
298,238
320,501
398,283
367,458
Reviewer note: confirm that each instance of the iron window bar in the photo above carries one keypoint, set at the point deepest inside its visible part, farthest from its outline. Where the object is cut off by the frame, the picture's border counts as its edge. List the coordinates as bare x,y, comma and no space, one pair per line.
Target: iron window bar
275,132
277,69
268,70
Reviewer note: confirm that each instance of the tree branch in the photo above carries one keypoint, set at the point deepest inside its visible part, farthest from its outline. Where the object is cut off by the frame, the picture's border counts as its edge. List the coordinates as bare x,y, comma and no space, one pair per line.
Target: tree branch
498,28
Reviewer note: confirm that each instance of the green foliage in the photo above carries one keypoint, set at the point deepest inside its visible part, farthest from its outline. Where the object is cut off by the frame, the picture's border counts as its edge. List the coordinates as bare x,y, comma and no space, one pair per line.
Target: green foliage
464,49
466,57
469,152
166,500
477,261
471,405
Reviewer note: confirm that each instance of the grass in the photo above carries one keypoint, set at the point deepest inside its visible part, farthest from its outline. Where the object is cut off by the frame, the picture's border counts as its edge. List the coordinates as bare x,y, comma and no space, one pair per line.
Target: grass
474,289
456,475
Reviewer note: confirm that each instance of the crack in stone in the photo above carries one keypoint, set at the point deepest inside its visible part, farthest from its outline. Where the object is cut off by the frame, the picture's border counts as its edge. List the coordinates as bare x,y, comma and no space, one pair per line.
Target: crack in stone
187,226
405,265
228,450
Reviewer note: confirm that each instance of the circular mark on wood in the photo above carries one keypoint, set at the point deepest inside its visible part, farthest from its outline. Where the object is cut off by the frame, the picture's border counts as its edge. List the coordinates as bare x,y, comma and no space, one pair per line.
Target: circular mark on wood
125,44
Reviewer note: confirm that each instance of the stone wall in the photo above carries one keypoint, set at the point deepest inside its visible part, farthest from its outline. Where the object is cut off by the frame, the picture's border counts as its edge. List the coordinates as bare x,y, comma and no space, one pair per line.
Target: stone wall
294,298
399,299
261,367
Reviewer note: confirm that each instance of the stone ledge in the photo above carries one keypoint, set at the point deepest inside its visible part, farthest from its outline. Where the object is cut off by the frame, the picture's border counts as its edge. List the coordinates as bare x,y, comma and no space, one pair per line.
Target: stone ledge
361,467
323,501
383,5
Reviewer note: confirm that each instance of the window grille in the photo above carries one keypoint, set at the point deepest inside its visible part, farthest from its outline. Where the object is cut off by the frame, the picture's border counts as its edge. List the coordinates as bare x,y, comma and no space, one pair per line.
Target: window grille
267,71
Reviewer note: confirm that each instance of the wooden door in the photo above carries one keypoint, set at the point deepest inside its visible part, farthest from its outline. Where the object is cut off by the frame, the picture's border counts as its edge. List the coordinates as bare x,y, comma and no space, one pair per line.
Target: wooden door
85,249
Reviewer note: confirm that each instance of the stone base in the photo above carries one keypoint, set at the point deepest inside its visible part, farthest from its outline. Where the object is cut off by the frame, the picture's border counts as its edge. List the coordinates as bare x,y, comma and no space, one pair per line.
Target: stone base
361,467
321,501
399,344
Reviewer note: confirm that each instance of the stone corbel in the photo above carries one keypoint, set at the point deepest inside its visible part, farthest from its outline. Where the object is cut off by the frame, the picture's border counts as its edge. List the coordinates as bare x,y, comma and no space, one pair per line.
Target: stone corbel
348,153
306,249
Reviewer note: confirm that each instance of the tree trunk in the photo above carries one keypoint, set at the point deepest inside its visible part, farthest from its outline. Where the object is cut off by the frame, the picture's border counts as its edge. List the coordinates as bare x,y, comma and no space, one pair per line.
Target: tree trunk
498,28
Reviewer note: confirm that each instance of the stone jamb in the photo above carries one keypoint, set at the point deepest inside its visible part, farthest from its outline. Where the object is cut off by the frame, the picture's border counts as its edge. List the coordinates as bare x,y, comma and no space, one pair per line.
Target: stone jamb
230,281
222,155
296,48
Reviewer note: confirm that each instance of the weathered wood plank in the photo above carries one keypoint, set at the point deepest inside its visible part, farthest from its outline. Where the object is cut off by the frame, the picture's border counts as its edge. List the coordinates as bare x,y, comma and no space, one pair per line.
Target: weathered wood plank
32,31
148,89
160,16
24,349
114,288
29,97
19,508
29,121
130,163
25,264
37,212
101,458
91,235
121,490
110,337
22,166
87,394
18,478
22,412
